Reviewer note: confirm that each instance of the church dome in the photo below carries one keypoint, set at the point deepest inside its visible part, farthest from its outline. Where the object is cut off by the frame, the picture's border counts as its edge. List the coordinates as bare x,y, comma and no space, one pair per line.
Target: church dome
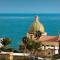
36,26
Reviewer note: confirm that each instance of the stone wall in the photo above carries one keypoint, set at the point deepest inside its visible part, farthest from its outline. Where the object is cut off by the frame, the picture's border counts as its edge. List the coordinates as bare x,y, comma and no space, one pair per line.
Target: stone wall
6,56
13,56
19,58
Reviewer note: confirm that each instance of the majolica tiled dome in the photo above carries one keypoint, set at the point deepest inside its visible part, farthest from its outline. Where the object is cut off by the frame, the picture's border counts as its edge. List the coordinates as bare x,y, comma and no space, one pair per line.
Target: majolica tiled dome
36,26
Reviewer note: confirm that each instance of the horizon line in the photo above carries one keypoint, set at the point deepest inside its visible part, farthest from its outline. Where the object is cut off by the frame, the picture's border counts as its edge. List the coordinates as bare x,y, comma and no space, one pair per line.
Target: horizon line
26,13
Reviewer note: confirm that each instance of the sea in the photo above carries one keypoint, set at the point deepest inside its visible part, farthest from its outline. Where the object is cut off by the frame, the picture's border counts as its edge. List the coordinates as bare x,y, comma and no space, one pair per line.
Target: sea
16,25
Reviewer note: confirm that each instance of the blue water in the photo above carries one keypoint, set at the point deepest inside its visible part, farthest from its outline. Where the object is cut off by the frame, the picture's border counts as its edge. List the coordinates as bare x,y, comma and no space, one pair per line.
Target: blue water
15,26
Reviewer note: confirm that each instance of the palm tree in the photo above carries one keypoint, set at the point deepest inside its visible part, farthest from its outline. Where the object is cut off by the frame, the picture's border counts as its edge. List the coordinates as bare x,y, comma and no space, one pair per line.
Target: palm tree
5,41
38,34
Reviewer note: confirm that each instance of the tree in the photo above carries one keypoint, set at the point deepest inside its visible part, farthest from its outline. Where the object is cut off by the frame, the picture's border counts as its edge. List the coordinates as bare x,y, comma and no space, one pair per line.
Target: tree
38,34
9,49
56,57
29,44
37,45
16,51
21,47
33,45
25,40
5,41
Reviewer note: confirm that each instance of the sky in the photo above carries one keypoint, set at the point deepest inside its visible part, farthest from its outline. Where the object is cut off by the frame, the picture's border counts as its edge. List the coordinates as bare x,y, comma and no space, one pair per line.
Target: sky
29,6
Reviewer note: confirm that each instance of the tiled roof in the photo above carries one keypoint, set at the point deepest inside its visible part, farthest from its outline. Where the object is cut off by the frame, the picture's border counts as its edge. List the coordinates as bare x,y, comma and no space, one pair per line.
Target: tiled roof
49,38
